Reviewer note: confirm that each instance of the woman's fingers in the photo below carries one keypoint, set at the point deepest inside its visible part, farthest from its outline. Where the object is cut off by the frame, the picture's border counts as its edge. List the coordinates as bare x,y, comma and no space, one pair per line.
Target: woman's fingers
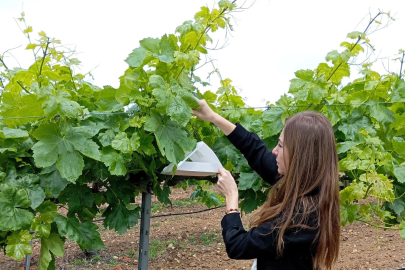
226,184
205,112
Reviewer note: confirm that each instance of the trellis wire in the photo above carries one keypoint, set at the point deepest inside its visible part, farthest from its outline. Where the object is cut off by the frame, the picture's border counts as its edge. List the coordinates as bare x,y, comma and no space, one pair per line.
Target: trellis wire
224,109
173,214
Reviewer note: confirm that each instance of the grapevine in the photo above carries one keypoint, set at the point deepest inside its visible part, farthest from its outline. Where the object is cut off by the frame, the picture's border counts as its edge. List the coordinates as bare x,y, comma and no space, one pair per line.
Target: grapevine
66,143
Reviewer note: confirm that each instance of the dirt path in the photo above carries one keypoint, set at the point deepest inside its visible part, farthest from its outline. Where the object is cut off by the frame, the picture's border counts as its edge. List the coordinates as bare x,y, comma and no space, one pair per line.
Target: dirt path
195,242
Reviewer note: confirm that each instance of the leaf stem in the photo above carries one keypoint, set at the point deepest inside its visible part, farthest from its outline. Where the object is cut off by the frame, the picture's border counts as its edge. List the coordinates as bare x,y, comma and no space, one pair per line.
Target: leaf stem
43,59
377,226
22,86
180,72
357,42
2,61
368,188
209,25
202,34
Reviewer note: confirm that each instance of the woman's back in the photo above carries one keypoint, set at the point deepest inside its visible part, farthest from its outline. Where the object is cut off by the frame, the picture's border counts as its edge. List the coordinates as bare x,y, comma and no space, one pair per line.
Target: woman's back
261,242
298,226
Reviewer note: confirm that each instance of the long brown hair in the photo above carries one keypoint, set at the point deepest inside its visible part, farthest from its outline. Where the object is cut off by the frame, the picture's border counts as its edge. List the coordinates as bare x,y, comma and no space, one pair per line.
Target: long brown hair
309,186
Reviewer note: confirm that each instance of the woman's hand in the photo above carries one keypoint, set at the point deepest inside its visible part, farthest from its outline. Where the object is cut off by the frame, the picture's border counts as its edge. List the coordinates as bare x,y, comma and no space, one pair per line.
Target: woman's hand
205,112
227,186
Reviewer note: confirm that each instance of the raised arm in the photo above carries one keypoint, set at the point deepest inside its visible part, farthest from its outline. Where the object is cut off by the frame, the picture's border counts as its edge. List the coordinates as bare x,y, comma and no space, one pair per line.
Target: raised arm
256,153
251,146
207,114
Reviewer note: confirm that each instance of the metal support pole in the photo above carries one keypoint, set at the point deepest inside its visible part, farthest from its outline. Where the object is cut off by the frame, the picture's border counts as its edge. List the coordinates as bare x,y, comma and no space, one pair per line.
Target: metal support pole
28,259
145,228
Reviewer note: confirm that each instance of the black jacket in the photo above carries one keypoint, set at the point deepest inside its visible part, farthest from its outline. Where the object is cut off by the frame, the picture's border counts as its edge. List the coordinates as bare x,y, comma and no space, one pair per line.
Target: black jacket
261,242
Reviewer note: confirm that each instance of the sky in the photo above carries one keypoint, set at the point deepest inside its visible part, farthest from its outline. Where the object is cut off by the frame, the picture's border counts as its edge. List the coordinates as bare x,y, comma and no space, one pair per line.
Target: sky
271,39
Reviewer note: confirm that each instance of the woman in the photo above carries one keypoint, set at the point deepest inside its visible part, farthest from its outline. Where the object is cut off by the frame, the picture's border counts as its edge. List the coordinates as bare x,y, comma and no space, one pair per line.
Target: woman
298,227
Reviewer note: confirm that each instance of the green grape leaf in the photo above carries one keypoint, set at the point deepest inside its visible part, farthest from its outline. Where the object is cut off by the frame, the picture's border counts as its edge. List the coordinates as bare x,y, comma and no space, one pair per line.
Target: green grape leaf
52,263
79,196
54,146
146,146
249,181
60,103
272,128
161,92
348,213
16,105
185,94
208,197
12,216
9,133
70,165
50,245
380,113
179,111
354,192
398,206
18,245
345,146
46,149
52,75
47,208
399,172
209,97
52,180
167,47
150,44
162,193
399,146
42,224
137,121
119,218
203,15
306,75
106,101
122,143
381,186
129,89
352,126
272,114
114,161
139,57
30,183
85,234
251,200
187,59
99,199
190,40
224,149
398,92
307,91
272,123
356,35
81,140
340,71
94,124
172,139
107,137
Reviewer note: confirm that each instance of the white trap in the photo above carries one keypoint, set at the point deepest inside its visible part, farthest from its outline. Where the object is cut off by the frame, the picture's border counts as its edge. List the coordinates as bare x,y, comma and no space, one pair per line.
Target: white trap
203,162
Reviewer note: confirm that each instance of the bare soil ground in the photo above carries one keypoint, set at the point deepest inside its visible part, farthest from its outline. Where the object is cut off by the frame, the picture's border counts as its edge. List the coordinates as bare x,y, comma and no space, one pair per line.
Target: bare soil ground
195,242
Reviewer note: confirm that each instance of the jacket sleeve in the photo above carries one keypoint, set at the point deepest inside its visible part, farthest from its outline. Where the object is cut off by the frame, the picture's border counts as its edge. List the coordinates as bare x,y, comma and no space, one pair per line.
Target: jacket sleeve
256,153
242,244
261,241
